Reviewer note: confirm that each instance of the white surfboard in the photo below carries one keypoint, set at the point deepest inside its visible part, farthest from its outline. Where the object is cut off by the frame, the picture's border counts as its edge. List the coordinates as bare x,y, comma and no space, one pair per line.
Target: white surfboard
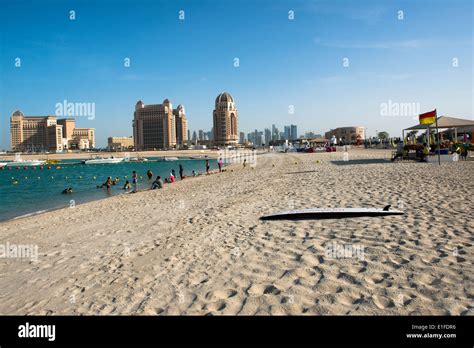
330,213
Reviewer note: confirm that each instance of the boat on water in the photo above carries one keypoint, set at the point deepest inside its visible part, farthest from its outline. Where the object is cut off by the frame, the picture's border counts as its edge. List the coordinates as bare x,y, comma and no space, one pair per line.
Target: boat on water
170,159
19,162
98,160
138,159
2,165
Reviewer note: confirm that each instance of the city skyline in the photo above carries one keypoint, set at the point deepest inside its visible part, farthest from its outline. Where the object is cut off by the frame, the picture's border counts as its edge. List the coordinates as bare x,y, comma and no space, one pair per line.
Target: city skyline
314,64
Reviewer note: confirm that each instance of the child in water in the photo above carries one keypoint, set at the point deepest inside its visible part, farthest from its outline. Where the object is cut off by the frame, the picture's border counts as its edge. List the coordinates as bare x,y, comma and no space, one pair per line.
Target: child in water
126,187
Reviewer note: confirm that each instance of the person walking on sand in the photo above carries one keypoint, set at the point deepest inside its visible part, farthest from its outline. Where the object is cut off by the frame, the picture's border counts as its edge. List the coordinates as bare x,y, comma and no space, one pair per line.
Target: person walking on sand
220,165
134,181
149,173
207,166
181,171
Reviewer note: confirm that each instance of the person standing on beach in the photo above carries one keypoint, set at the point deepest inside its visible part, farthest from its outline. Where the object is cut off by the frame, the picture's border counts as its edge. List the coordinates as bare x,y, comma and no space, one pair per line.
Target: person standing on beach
220,165
149,173
245,162
134,181
181,171
207,166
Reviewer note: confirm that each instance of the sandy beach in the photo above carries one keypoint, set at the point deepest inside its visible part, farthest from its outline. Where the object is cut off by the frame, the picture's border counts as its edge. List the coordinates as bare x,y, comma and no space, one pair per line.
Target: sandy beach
197,247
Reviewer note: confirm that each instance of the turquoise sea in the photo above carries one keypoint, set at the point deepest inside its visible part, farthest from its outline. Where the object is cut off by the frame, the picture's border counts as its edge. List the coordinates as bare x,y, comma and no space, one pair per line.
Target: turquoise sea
31,190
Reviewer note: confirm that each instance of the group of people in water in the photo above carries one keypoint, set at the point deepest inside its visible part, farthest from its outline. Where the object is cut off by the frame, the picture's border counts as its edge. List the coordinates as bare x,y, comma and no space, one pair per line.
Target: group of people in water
158,183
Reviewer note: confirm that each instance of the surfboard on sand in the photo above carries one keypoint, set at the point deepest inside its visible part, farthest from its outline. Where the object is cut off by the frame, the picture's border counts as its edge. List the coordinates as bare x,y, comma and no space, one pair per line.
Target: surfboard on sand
330,213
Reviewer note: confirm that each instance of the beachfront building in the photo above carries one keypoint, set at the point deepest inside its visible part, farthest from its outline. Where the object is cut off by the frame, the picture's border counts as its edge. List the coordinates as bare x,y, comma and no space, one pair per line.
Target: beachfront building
347,135
82,139
47,133
181,125
76,138
225,118
120,143
35,133
154,126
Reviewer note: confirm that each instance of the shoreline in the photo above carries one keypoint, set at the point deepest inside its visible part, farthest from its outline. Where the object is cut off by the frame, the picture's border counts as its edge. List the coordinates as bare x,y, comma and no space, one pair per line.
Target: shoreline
86,155
43,211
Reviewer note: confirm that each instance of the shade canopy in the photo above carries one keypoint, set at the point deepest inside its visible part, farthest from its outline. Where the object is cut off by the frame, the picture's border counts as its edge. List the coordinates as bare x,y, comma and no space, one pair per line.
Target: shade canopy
445,122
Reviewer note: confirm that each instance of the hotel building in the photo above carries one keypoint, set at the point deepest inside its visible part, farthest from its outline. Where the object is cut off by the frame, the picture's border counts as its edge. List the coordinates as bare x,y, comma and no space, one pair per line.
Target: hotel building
225,118
120,143
47,133
181,125
348,135
158,126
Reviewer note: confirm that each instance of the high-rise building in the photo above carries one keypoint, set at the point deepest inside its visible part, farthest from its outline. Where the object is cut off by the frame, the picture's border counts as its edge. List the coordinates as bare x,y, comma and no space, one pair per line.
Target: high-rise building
225,118
154,126
194,136
189,135
258,138
275,133
201,134
35,133
181,125
293,132
268,136
241,137
287,132
251,138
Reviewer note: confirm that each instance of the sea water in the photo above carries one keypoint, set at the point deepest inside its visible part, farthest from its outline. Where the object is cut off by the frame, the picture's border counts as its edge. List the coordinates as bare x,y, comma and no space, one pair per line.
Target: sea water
28,191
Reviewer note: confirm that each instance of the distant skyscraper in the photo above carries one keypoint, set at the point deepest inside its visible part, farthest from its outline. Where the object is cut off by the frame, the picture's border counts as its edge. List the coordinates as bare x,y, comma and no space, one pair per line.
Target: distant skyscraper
194,136
154,126
275,133
268,136
293,132
287,132
251,138
225,118
257,138
201,134
189,135
241,137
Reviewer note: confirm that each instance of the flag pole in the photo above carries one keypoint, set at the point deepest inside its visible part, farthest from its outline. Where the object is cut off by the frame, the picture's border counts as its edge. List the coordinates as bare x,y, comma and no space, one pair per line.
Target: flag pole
437,134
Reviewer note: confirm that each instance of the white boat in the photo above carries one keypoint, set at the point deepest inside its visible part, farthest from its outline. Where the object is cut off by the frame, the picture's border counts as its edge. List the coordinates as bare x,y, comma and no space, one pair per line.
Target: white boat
170,159
18,162
25,163
110,160
2,165
138,159
330,213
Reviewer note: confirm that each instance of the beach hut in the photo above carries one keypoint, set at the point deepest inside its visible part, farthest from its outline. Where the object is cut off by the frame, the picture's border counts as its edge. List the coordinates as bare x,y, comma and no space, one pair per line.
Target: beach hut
444,122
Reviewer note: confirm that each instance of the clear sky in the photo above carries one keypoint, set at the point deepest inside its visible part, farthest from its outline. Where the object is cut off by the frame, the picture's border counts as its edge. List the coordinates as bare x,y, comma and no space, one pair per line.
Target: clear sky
425,58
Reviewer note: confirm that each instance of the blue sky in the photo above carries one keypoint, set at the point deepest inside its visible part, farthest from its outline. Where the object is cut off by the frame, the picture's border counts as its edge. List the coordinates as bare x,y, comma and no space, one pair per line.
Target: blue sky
282,62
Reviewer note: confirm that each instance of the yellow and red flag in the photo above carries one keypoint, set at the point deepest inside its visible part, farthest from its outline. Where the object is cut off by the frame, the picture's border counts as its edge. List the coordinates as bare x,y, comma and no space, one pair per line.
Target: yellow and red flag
428,117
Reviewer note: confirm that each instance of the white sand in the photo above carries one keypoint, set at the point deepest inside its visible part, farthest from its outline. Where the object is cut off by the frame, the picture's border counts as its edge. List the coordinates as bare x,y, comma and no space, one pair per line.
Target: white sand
198,246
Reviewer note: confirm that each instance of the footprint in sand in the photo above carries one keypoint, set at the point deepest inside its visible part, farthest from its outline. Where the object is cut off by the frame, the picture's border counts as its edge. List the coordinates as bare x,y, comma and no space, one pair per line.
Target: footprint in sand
261,289
220,294
383,302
